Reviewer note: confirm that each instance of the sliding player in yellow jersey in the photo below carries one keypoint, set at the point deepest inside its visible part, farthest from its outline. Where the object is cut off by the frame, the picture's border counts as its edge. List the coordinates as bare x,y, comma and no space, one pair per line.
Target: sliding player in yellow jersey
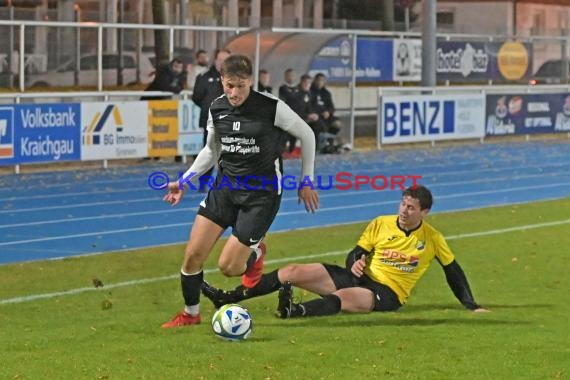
391,256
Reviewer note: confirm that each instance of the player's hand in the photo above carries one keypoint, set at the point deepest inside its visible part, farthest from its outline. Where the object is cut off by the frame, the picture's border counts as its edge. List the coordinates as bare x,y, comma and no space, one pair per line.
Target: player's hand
358,266
481,310
310,197
174,195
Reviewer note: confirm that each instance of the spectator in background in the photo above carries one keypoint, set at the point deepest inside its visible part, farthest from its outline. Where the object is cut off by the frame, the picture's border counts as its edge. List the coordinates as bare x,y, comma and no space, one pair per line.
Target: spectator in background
200,66
305,108
168,77
324,107
208,87
264,80
288,92
323,103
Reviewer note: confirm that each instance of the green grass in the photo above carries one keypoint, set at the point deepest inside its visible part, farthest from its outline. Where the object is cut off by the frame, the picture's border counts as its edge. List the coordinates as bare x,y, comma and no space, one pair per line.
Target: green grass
114,333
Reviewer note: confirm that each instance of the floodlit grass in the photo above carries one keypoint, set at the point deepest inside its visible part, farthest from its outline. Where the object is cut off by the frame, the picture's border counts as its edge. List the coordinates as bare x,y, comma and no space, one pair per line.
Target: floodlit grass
113,332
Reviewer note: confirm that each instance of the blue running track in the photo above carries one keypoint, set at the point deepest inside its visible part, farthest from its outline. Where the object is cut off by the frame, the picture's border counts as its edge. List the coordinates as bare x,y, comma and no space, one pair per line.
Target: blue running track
61,214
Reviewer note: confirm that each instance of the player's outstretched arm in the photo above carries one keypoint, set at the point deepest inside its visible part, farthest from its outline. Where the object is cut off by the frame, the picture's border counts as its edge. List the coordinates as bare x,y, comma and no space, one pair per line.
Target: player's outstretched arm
204,161
460,286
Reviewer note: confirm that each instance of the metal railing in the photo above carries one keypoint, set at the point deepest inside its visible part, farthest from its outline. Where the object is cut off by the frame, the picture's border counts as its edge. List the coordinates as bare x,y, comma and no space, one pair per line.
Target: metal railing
21,97
99,29
554,43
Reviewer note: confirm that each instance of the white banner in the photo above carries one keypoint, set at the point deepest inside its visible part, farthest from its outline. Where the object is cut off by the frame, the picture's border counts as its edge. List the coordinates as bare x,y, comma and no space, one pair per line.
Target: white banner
407,60
431,117
114,130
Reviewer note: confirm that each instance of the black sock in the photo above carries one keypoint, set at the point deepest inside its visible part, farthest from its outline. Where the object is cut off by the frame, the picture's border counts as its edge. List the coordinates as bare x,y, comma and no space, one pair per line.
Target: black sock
252,259
268,283
191,287
328,305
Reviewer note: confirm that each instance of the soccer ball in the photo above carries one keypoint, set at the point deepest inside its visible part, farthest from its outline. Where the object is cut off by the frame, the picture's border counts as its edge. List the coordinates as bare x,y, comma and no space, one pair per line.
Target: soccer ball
232,322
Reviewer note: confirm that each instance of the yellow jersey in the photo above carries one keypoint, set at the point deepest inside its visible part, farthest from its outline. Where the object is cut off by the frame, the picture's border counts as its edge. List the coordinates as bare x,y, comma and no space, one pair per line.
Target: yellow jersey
398,258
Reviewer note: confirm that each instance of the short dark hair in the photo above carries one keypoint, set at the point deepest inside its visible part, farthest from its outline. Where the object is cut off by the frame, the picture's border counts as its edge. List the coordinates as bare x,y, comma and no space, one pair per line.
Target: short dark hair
289,70
263,71
305,77
320,75
237,65
177,61
422,194
218,51
201,51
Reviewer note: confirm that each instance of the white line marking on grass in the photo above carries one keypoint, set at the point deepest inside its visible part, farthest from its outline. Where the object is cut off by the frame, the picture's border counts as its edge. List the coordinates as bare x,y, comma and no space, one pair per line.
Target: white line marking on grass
269,262
509,229
147,280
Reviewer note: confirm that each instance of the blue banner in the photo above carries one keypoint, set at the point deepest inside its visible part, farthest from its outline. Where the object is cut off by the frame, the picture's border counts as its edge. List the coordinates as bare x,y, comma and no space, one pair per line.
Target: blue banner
7,137
476,61
383,60
523,114
373,60
40,133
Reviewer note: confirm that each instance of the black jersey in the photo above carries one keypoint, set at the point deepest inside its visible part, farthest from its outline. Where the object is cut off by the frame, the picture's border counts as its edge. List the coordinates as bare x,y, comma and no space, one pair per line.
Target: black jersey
251,139
288,93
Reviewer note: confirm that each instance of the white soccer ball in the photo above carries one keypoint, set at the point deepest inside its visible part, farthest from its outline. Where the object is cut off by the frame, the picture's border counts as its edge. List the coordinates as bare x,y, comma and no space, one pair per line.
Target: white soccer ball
232,322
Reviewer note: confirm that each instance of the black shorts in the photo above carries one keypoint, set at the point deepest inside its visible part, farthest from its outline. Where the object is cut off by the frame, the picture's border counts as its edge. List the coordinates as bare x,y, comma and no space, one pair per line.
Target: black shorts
249,213
385,299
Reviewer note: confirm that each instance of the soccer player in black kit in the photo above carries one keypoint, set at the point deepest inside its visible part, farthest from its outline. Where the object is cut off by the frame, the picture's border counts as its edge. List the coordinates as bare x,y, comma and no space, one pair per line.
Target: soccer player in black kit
246,130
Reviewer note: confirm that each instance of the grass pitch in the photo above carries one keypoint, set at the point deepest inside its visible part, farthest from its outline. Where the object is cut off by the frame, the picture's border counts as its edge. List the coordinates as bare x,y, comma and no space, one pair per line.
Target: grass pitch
113,331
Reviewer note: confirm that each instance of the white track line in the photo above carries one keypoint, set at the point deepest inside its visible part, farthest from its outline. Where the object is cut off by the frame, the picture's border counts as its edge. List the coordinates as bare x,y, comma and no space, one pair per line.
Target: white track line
416,169
328,209
97,233
392,157
120,172
326,225
142,281
321,196
196,196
